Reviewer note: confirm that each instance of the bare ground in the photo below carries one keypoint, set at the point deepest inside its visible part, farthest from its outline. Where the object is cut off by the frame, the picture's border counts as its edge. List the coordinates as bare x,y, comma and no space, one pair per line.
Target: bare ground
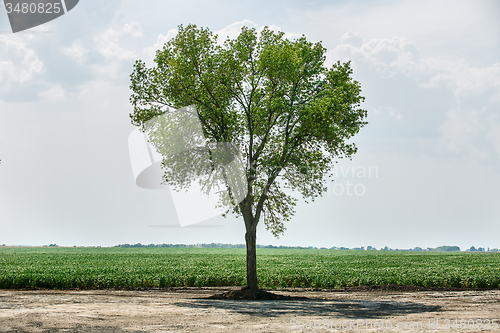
190,310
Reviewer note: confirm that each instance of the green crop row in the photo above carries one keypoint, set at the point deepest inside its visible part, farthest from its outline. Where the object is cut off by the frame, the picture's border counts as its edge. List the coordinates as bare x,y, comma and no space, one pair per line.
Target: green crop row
123,268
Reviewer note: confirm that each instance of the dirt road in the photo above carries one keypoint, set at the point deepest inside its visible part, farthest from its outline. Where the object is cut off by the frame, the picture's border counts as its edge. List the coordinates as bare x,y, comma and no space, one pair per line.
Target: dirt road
188,311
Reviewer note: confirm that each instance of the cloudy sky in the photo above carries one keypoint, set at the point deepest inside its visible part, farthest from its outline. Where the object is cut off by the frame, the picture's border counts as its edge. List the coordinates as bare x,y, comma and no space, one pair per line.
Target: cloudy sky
427,172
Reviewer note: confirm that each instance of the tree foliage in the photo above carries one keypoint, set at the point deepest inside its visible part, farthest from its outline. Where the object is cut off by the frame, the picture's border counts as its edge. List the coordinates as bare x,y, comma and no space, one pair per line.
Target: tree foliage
271,98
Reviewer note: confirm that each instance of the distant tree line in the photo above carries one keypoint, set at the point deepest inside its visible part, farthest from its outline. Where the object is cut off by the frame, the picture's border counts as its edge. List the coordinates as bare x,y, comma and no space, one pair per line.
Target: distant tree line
481,249
444,248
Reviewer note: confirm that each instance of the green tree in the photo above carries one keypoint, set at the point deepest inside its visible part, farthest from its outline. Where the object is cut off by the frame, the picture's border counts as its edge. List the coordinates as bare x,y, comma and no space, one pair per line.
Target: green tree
271,99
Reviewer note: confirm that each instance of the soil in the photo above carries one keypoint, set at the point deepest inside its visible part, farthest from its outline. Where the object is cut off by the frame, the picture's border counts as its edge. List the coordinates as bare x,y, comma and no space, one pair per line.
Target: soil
373,309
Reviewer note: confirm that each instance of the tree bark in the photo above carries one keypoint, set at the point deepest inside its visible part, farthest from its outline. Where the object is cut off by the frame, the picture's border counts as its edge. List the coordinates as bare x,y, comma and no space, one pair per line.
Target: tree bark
251,241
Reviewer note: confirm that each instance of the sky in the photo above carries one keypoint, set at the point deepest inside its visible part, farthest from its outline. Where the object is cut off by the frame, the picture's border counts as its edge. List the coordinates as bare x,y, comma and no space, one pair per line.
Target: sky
427,171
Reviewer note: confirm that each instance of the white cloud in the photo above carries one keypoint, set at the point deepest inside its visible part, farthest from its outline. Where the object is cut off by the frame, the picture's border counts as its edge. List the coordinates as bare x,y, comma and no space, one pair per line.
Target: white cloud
116,45
385,56
288,34
463,79
133,28
469,126
160,41
76,51
233,30
352,38
394,113
54,92
474,93
391,111
19,64
108,44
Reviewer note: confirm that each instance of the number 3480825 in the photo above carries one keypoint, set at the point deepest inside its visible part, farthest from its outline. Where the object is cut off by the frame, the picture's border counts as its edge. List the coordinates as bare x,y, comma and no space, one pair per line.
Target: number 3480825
41,8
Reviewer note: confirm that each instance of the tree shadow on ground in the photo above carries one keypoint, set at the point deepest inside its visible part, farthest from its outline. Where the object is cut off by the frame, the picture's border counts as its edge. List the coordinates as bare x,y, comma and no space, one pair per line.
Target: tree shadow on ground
313,307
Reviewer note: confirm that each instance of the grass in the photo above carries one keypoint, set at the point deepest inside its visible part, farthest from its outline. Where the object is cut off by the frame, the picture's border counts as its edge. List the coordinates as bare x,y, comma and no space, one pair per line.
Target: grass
124,268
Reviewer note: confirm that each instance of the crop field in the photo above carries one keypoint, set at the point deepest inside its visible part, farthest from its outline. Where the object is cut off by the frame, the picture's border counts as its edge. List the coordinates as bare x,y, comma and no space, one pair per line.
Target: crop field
125,268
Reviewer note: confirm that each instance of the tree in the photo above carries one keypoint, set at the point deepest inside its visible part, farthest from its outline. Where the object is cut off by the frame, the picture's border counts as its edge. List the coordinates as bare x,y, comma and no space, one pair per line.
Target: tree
446,248
260,95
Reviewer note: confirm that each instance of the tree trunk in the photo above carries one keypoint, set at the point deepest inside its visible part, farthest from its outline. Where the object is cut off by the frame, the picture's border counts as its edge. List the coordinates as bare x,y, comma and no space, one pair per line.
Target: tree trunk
251,241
